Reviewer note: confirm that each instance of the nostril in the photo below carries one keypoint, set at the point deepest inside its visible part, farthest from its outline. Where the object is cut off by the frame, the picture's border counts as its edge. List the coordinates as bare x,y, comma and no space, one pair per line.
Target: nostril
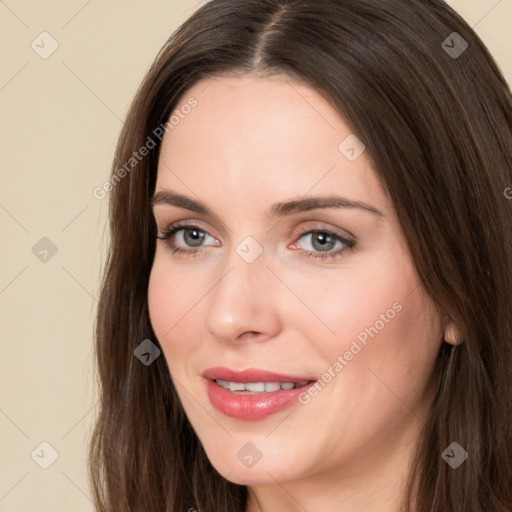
249,334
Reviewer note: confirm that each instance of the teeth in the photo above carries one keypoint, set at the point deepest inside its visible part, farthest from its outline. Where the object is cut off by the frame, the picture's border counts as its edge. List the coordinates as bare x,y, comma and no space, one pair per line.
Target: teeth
253,386
274,386
236,386
223,383
258,387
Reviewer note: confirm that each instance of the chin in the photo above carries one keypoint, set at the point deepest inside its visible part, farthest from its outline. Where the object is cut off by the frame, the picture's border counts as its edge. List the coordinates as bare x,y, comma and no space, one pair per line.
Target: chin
253,476
253,472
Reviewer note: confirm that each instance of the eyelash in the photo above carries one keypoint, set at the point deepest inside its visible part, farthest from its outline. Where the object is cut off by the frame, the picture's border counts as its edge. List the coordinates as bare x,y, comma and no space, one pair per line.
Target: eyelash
176,227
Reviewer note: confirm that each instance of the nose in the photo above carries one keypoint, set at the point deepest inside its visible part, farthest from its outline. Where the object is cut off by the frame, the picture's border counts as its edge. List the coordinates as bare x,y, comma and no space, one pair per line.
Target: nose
244,302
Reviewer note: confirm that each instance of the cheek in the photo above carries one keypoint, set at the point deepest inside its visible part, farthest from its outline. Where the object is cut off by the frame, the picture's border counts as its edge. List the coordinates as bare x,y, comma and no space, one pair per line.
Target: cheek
170,296
359,302
378,337
160,298
383,359
177,295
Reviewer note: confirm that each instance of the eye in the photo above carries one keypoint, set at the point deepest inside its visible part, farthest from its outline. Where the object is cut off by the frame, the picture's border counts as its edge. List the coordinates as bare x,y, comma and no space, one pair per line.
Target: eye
322,242
185,238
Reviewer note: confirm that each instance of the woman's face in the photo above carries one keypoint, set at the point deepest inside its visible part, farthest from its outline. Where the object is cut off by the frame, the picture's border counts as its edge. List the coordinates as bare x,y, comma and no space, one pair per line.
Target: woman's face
297,267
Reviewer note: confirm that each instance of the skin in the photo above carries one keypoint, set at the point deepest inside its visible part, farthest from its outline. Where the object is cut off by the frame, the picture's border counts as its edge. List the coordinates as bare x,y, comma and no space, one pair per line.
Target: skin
251,142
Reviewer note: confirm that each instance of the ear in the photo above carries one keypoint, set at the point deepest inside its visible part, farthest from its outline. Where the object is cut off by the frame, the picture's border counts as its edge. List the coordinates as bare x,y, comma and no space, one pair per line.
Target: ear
452,334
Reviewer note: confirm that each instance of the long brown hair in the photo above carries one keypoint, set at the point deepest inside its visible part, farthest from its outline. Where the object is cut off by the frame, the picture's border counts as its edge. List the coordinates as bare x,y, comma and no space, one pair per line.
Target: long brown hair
435,114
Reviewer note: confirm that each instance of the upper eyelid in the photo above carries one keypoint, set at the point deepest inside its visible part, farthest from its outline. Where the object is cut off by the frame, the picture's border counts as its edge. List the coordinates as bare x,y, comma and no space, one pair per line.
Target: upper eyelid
184,224
225,228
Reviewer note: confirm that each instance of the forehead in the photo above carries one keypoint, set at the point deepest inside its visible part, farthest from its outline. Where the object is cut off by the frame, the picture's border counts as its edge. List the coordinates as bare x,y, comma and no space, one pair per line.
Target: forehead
264,103
251,135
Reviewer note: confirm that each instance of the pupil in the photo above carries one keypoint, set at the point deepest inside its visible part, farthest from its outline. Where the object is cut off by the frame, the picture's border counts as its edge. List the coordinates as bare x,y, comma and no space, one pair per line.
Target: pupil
194,237
326,242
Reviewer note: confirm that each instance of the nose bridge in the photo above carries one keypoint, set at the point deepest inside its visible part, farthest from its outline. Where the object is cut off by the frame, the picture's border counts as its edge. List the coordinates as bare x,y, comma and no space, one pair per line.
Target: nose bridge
242,299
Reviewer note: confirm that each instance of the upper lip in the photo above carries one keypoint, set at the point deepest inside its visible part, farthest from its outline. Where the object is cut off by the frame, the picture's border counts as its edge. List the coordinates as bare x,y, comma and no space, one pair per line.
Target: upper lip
251,375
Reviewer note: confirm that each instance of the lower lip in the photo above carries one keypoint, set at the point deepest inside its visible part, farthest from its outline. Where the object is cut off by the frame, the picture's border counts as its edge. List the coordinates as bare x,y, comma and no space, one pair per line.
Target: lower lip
252,406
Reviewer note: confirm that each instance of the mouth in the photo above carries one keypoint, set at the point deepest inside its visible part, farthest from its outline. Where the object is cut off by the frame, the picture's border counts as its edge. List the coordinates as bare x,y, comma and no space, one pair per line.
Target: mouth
254,388
253,394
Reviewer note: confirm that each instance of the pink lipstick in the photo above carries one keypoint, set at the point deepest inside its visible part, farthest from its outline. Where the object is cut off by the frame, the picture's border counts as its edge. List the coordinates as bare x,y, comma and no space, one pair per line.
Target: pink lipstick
253,394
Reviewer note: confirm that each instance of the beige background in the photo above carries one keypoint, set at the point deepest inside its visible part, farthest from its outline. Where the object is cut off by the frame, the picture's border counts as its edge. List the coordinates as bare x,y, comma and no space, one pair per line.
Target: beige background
61,117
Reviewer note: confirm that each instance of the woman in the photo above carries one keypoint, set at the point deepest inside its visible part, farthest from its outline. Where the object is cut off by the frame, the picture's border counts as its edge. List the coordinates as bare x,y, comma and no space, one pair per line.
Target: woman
307,299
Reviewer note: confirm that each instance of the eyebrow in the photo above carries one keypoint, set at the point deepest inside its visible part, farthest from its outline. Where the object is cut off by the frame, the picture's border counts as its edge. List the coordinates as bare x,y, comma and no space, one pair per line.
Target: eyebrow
282,209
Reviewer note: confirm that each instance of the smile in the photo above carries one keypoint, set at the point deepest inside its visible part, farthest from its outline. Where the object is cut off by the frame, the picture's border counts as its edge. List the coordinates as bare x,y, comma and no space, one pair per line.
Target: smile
252,394
258,387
